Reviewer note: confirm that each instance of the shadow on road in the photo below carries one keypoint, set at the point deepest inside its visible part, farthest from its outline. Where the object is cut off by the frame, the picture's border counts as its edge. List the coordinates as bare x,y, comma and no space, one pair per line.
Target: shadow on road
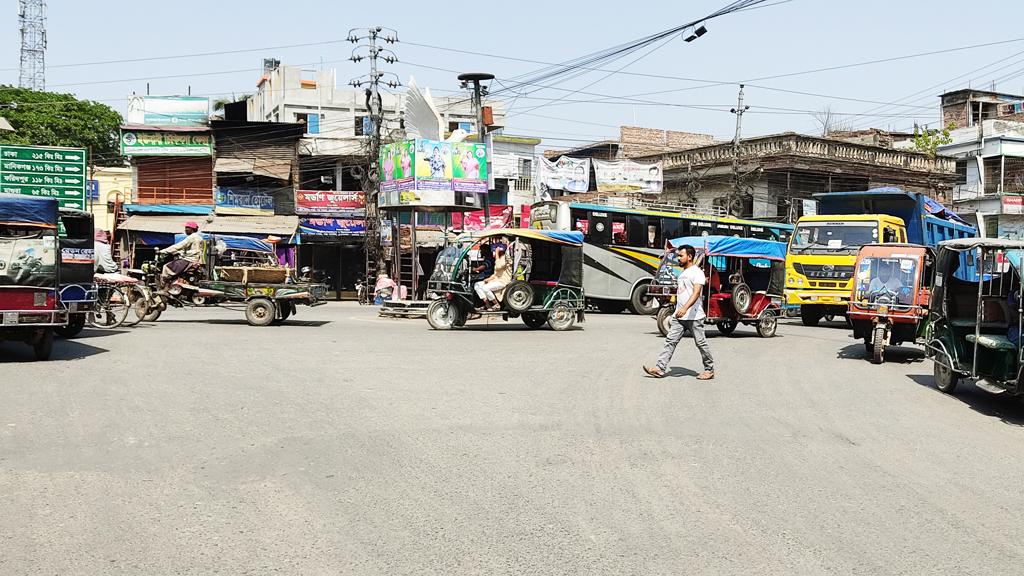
893,354
242,322
1009,410
11,352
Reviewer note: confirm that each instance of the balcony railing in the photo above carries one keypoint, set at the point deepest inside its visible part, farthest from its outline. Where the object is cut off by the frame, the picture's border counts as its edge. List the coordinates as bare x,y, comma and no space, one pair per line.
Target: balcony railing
964,192
169,195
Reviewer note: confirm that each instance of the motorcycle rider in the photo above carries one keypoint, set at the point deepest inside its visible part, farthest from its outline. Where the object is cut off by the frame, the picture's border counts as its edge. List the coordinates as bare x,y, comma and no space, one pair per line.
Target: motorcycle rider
190,249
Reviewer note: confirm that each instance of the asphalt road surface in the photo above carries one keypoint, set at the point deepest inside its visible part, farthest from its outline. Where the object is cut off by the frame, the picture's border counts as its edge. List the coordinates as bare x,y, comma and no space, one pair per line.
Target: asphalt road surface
342,443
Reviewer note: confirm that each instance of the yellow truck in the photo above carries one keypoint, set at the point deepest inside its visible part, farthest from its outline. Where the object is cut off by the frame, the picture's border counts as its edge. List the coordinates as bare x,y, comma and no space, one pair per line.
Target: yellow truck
823,248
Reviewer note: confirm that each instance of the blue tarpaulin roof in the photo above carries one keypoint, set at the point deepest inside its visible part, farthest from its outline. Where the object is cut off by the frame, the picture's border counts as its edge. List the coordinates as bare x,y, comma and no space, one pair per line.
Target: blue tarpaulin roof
28,210
169,209
236,242
734,246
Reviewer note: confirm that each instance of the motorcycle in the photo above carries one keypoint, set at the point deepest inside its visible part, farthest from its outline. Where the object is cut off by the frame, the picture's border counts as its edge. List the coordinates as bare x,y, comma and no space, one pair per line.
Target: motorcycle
182,291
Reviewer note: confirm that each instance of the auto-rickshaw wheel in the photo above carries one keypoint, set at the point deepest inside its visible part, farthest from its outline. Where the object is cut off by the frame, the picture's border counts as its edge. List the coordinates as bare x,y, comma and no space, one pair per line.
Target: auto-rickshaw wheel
727,327
441,315
767,324
945,378
665,319
43,346
534,319
561,317
518,296
742,297
260,312
76,322
878,344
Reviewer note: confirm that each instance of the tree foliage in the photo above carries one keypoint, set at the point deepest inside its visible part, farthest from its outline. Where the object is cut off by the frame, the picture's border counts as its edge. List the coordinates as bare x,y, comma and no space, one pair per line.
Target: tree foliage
928,141
52,119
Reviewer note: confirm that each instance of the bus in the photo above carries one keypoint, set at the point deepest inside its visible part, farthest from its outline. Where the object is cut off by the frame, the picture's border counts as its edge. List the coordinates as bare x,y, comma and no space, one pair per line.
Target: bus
623,245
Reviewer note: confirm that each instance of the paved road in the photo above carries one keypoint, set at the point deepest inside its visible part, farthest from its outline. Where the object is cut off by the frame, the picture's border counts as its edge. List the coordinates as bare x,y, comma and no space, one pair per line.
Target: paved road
347,444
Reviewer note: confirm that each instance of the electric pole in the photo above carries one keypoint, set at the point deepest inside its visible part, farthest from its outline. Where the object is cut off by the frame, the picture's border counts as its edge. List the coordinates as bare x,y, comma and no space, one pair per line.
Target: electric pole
32,21
478,106
370,178
737,188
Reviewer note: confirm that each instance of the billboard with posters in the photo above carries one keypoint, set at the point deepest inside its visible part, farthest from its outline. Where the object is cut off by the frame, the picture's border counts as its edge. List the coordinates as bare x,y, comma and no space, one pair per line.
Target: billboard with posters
430,172
566,174
434,165
617,176
397,166
469,167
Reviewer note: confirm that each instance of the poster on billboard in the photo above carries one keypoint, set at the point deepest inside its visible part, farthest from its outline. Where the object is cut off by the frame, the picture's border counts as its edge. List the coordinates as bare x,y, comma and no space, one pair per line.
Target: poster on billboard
566,174
168,110
328,202
469,167
434,168
396,163
617,176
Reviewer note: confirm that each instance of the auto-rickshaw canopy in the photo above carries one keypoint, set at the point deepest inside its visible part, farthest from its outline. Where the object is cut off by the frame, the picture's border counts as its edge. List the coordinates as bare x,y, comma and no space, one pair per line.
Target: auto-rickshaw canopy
735,247
17,210
557,255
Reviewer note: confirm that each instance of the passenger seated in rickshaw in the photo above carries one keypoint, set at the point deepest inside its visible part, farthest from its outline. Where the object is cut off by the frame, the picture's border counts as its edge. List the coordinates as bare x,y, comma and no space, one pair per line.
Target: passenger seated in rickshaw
491,289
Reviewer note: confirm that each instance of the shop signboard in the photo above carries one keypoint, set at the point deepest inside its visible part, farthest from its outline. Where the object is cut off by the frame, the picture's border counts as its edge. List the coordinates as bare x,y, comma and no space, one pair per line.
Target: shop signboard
566,174
169,110
618,176
430,172
242,201
328,202
1013,204
328,227
45,171
501,217
159,143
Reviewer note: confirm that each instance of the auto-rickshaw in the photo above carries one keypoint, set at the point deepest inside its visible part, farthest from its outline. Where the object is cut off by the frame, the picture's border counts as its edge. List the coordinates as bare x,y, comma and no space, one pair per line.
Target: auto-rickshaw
889,302
974,317
30,308
547,283
77,265
745,282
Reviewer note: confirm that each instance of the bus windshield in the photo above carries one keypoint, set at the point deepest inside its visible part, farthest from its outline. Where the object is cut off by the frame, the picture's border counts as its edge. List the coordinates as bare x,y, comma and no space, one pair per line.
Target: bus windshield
838,236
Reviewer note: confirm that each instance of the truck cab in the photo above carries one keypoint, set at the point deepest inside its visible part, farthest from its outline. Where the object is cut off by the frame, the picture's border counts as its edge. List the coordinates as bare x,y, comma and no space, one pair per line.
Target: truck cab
821,255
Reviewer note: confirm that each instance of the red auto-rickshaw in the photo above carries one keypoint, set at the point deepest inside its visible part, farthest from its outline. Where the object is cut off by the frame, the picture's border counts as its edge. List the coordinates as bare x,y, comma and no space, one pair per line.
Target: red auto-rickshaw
889,302
30,309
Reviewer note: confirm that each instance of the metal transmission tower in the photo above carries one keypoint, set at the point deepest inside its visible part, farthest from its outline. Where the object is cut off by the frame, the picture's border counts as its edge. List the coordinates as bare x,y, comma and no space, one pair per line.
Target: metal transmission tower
32,18
368,49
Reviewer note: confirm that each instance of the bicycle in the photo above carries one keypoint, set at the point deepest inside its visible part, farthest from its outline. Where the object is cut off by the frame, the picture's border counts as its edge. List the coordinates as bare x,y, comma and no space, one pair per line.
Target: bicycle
111,307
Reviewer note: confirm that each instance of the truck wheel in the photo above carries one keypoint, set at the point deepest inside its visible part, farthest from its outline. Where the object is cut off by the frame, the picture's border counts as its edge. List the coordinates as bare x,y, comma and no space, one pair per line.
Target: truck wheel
260,312
878,344
43,347
810,315
76,322
640,303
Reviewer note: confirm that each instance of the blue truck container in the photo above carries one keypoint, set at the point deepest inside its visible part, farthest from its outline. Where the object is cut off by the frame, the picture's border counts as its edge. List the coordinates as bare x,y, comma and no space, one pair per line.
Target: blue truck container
928,222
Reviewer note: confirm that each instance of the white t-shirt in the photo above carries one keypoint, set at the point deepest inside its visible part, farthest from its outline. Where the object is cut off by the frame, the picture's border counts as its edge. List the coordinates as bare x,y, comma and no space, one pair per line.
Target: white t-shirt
691,279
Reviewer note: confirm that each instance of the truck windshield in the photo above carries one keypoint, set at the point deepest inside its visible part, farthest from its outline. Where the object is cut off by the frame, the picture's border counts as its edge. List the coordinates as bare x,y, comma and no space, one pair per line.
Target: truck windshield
838,236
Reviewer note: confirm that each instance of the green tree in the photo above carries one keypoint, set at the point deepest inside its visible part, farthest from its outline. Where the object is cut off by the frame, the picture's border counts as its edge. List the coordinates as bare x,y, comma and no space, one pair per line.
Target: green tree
928,141
52,119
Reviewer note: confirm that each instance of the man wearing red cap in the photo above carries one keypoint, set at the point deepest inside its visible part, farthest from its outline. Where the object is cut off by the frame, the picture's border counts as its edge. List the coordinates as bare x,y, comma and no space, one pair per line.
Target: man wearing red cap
191,250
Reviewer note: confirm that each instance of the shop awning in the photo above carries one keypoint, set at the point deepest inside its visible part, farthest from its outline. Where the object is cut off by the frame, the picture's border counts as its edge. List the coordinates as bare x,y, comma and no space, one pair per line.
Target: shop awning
162,224
283,226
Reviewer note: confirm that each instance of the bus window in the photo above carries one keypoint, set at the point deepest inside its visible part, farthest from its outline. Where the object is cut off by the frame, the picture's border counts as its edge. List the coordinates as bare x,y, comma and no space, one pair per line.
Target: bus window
581,225
629,230
701,228
729,229
654,239
674,228
761,233
599,228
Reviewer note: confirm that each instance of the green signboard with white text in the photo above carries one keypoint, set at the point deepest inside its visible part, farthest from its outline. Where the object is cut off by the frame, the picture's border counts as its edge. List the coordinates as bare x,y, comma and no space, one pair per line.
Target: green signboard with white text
45,171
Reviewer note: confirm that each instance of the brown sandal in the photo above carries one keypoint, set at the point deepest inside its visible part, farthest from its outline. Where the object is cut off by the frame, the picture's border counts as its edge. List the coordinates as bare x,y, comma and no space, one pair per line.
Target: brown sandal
706,375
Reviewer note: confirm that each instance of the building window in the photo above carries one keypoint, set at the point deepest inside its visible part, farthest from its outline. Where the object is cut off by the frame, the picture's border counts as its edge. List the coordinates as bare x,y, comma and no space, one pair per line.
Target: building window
362,126
525,167
311,120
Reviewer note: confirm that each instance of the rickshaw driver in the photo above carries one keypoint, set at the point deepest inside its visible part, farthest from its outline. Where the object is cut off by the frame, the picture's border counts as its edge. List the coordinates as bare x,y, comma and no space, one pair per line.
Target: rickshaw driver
887,280
191,249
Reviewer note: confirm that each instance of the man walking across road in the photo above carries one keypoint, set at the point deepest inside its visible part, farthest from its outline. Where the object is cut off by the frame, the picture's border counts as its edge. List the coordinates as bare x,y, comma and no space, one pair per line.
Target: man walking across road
689,315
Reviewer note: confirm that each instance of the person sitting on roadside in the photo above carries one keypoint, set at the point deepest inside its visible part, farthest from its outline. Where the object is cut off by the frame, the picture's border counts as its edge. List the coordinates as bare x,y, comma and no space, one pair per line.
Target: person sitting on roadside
190,249
490,289
101,250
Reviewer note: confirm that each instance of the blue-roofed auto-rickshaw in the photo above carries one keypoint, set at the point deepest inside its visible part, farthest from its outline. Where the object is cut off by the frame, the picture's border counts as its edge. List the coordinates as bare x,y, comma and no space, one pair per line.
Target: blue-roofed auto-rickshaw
546,279
975,315
77,266
744,285
30,307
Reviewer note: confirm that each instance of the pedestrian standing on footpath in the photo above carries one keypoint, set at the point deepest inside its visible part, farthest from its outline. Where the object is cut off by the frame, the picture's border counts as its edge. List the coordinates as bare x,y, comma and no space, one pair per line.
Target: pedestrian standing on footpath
689,315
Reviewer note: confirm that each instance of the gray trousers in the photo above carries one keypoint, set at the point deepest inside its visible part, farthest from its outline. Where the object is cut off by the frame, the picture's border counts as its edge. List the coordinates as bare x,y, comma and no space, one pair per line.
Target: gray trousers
675,334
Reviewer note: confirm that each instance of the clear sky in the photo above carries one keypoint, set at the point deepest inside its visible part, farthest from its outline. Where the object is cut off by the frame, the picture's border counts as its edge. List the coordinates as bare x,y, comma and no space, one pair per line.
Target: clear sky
793,36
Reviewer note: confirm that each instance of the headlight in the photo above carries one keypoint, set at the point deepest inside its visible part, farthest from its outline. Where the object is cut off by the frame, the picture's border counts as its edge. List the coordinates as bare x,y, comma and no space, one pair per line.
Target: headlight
800,281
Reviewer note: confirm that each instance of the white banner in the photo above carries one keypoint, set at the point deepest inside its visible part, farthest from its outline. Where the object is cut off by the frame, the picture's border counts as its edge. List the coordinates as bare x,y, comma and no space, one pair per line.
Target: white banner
628,176
568,174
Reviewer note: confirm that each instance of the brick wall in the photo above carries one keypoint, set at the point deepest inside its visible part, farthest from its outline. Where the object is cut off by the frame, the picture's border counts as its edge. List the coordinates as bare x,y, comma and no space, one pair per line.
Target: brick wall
636,141
956,114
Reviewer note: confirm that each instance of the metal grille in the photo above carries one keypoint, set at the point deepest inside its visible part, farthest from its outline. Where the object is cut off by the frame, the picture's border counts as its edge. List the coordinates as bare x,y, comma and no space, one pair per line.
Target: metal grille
824,271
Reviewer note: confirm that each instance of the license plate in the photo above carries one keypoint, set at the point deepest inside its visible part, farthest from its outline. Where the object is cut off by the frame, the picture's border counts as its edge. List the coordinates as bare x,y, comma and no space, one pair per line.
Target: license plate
10,318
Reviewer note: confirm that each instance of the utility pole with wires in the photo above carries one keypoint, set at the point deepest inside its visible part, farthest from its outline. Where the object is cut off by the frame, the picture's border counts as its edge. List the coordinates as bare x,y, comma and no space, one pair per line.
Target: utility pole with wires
368,48
479,92
737,187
